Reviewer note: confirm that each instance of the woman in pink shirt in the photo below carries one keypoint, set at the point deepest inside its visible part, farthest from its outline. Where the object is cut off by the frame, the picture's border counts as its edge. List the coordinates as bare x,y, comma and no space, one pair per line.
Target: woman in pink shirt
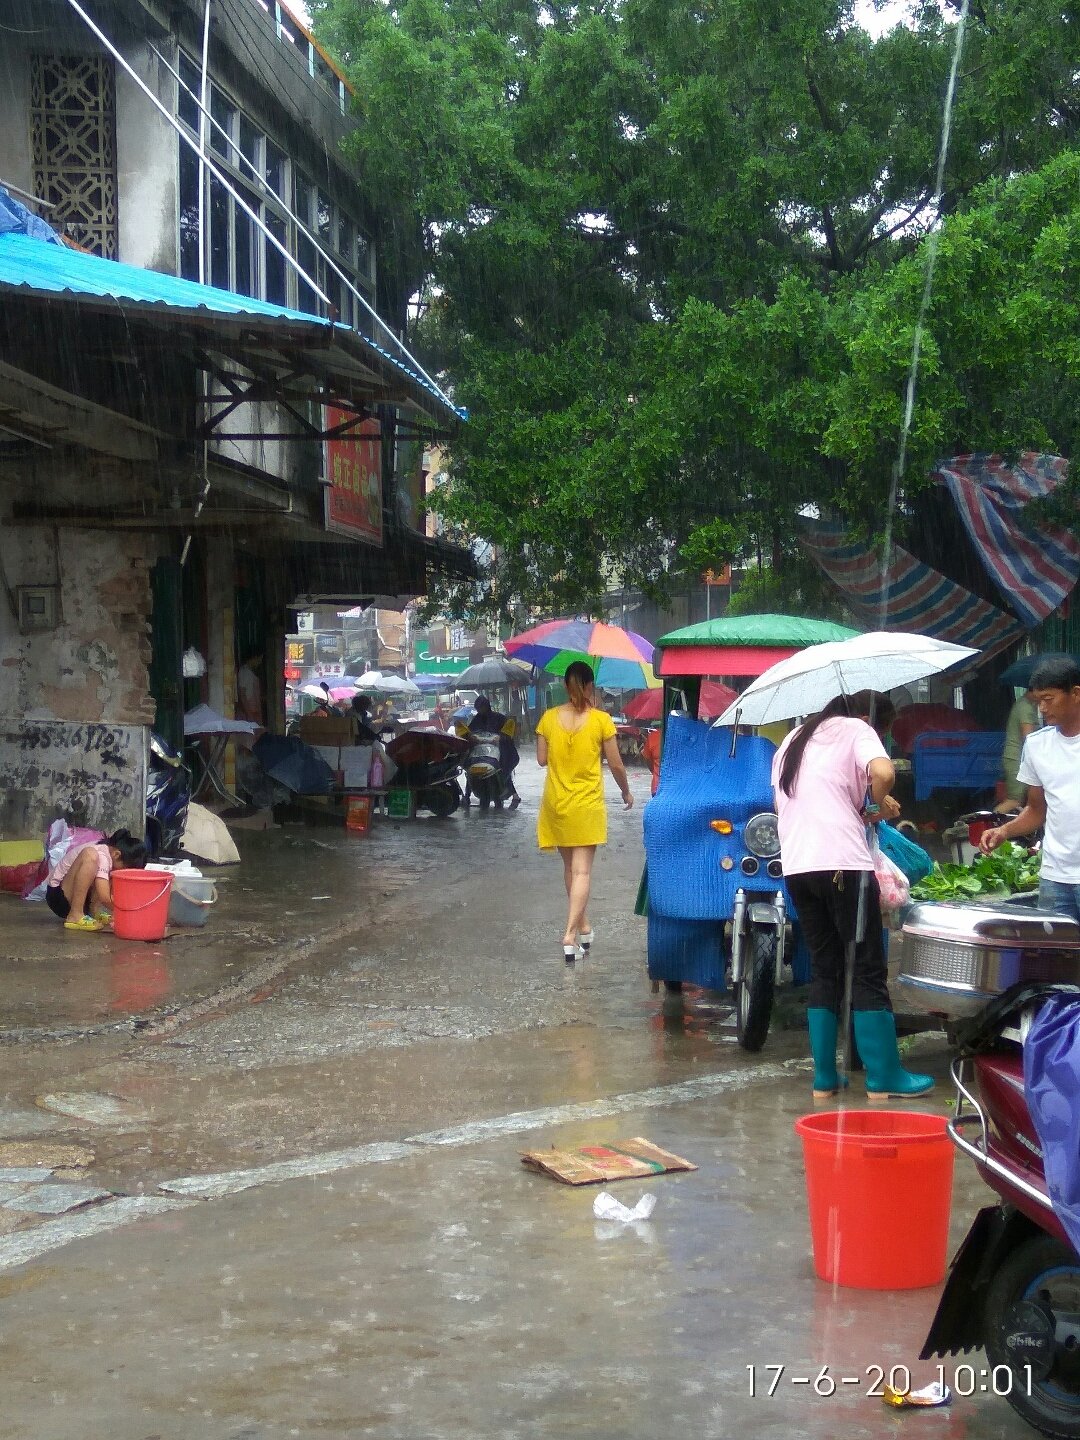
831,776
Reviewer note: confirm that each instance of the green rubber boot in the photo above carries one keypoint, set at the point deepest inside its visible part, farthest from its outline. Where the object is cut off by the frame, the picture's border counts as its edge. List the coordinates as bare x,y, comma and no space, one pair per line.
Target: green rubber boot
822,1025
875,1035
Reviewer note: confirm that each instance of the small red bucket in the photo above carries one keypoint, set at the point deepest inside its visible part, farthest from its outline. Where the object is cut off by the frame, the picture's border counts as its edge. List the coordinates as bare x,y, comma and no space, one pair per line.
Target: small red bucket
140,903
879,1188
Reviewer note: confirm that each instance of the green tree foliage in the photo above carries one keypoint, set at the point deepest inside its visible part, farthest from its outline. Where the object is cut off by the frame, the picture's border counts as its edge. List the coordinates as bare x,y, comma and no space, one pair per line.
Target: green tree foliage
667,253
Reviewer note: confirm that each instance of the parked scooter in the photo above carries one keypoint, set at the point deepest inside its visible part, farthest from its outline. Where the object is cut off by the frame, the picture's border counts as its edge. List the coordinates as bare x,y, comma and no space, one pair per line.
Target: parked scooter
429,762
1014,1286
168,791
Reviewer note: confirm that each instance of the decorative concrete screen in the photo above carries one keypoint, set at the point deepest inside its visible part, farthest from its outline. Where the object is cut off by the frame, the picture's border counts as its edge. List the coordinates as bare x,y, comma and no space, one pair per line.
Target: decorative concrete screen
92,774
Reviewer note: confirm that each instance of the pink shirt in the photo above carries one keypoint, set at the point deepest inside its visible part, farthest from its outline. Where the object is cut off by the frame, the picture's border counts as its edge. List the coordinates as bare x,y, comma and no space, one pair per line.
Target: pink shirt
61,868
821,824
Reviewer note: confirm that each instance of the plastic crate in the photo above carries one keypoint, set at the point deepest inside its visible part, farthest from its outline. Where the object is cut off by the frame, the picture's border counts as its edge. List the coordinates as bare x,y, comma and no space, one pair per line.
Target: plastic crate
400,804
947,760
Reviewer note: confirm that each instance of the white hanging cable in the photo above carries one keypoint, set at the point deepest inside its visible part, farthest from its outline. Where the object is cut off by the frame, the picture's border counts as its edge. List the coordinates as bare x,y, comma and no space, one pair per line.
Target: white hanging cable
215,171
203,137
244,163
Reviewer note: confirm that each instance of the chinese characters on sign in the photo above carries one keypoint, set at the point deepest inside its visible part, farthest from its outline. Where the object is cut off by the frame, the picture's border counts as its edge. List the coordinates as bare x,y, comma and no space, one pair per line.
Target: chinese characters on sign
354,472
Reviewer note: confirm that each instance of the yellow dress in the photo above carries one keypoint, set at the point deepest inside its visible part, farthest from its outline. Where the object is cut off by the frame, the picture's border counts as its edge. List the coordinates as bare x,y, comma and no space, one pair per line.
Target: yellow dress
572,811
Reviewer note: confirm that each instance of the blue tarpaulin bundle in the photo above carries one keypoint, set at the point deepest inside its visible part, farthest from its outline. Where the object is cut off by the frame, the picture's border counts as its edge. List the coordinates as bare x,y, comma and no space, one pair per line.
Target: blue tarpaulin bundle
1052,1089
14,216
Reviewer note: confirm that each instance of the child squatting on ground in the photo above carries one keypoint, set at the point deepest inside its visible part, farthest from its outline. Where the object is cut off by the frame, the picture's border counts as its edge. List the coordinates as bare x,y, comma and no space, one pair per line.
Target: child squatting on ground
80,890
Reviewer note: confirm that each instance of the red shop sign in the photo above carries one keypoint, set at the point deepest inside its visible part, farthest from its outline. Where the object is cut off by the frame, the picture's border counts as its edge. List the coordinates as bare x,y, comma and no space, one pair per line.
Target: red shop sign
354,473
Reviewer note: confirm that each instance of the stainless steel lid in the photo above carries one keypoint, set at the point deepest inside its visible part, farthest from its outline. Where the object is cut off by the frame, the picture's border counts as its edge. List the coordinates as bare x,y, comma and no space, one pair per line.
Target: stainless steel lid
980,922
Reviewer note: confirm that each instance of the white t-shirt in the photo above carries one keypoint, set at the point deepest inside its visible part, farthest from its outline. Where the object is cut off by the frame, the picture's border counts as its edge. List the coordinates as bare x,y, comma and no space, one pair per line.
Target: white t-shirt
1052,760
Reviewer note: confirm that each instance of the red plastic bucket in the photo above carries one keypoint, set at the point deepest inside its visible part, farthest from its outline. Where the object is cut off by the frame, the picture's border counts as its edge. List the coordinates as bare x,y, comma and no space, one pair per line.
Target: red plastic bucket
879,1188
140,903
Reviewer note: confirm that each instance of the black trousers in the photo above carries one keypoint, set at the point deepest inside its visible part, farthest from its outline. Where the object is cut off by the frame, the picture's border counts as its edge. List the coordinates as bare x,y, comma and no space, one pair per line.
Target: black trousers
827,902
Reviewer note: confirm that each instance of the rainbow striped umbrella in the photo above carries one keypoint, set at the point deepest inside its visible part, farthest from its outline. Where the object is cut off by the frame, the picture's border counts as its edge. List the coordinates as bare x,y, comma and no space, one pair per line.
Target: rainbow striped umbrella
620,659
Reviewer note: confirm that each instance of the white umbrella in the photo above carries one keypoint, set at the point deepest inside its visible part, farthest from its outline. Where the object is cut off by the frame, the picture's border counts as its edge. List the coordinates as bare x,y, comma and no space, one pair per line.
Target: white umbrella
377,684
806,681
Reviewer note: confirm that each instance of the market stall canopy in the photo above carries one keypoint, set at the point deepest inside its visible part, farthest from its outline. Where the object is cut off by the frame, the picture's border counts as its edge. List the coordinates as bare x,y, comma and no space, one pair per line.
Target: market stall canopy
741,644
1033,563
805,682
914,596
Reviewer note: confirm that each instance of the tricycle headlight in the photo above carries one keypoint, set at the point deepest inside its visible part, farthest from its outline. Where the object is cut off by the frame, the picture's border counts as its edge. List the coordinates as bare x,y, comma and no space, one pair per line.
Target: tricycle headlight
761,836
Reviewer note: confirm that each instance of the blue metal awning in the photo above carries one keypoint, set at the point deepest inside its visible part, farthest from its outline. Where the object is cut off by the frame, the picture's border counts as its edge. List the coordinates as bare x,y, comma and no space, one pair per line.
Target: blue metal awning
37,268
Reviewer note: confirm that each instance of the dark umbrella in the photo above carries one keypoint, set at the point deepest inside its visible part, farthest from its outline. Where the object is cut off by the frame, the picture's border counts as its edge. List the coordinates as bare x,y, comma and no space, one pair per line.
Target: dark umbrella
292,763
493,671
1020,671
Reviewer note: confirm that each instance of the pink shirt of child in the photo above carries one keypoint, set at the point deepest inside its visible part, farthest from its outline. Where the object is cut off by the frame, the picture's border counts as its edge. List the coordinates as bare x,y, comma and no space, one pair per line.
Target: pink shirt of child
61,868
821,825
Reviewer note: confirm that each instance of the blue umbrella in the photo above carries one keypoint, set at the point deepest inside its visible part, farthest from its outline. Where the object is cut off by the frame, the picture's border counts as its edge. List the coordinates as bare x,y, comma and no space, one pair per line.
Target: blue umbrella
290,762
1019,672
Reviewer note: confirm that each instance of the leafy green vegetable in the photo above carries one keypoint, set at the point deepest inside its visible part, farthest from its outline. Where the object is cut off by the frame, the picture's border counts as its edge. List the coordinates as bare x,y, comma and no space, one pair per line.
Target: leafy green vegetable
1009,869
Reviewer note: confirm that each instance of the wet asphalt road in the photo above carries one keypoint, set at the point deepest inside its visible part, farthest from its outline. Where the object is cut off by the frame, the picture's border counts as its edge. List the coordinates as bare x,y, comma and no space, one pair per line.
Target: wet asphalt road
324,1228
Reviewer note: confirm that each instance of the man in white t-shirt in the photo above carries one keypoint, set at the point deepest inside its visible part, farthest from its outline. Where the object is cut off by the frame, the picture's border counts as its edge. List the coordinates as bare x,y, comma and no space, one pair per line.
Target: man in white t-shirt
1050,768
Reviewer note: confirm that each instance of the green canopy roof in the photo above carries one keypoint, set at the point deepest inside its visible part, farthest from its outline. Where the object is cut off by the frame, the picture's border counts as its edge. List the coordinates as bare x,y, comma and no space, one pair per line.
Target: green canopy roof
760,630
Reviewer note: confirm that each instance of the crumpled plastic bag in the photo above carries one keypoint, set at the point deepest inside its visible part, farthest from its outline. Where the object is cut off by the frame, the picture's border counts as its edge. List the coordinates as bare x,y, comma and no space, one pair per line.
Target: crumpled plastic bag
59,840
606,1207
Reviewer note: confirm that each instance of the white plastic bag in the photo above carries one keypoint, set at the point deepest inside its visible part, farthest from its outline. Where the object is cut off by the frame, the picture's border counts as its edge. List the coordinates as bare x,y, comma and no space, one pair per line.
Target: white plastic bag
606,1207
893,887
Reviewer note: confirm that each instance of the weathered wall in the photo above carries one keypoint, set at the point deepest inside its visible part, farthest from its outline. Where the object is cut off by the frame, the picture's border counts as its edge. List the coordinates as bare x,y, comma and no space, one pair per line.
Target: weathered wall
146,150
93,667
15,113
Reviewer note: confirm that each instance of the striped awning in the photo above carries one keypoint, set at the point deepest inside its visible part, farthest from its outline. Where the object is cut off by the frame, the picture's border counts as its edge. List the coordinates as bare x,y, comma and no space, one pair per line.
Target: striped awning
1034,565
914,597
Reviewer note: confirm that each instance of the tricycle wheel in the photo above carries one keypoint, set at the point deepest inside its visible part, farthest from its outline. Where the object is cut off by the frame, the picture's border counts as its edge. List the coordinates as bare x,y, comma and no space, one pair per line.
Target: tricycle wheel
754,992
442,800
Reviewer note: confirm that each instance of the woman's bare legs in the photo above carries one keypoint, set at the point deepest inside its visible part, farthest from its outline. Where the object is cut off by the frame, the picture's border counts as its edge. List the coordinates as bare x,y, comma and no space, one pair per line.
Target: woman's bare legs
577,874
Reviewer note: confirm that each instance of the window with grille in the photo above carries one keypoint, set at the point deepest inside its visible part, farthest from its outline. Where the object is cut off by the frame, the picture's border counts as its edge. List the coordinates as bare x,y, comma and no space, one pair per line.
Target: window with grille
73,135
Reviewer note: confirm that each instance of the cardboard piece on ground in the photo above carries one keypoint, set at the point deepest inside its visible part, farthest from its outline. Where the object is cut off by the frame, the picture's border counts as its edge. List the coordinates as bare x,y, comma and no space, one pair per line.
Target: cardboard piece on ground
631,1159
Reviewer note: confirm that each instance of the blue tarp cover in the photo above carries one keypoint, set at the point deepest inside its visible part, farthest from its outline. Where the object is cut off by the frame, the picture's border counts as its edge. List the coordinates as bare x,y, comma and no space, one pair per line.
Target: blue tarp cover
16,219
1052,1088
55,268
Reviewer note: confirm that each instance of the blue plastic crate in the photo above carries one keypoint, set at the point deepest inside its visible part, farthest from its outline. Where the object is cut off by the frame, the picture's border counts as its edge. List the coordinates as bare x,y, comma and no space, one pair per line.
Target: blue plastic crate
950,760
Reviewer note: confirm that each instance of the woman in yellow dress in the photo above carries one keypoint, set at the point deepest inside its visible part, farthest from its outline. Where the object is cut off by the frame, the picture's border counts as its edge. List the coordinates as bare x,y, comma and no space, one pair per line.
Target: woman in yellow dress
571,741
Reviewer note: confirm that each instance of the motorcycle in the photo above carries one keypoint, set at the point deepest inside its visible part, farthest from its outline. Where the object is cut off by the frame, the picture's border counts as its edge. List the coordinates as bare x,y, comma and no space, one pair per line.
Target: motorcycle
429,763
487,779
168,791
1014,1285
718,908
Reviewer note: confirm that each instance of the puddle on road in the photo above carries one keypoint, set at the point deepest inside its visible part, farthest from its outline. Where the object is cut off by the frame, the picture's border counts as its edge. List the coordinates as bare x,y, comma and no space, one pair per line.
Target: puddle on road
94,1109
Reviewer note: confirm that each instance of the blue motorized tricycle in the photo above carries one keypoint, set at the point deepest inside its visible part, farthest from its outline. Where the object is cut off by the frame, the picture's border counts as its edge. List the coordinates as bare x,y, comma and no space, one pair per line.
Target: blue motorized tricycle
718,909
719,912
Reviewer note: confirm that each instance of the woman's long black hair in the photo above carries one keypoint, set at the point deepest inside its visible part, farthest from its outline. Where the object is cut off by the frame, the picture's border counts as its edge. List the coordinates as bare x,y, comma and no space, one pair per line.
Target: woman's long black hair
870,703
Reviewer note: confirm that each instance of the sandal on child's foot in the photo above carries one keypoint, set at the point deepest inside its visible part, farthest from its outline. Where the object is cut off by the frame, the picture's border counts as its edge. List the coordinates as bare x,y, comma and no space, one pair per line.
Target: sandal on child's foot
84,922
